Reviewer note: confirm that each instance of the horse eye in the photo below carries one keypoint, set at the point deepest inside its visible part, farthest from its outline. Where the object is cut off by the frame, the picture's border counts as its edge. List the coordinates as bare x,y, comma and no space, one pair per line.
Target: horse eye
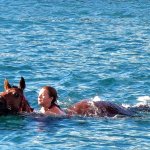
16,95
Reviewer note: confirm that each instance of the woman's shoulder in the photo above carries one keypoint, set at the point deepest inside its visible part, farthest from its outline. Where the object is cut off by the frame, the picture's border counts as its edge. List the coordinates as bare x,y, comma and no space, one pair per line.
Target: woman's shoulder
54,111
57,110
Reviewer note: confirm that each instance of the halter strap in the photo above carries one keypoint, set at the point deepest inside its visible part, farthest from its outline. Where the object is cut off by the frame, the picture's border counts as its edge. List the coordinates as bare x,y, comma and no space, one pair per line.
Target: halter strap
22,104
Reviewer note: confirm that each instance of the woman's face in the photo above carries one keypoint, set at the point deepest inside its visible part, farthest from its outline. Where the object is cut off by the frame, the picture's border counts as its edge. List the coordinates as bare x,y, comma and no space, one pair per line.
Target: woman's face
43,98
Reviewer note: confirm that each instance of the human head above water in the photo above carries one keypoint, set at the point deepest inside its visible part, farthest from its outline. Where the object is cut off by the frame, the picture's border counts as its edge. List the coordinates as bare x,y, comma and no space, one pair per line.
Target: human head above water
52,93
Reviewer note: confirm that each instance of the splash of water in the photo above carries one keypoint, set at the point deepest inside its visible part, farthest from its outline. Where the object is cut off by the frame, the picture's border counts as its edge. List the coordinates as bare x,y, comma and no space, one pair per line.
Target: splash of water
143,100
126,105
96,98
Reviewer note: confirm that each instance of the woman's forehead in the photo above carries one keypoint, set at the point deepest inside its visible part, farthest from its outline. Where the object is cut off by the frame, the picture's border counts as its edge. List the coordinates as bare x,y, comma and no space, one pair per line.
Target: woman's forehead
42,91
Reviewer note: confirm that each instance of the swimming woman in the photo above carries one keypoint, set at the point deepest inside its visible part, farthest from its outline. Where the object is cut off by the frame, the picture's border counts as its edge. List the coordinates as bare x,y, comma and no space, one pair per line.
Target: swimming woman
47,99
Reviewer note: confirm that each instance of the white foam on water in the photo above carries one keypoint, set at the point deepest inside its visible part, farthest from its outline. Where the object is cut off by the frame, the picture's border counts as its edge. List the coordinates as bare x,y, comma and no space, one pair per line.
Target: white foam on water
96,98
143,100
126,105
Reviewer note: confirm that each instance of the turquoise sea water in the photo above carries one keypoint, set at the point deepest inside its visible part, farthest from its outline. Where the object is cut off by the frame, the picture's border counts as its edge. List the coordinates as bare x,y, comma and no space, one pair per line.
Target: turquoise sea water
84,48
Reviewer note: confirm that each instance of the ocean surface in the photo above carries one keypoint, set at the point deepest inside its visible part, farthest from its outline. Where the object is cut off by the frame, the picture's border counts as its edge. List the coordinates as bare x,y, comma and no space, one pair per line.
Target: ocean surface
85,49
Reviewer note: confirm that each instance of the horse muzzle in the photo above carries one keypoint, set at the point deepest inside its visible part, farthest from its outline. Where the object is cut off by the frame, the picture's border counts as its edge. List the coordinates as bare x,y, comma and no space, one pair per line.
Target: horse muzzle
3,106
2,103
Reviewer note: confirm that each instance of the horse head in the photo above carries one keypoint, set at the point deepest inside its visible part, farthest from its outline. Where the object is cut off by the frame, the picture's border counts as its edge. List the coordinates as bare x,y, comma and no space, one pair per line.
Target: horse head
12,100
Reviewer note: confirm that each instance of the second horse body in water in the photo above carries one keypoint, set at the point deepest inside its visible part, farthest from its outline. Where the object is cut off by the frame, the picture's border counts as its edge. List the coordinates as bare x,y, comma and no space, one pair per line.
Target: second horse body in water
98,109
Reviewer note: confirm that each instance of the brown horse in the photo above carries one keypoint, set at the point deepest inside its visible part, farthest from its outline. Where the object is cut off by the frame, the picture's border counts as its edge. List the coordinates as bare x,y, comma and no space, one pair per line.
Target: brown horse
98,109
12,100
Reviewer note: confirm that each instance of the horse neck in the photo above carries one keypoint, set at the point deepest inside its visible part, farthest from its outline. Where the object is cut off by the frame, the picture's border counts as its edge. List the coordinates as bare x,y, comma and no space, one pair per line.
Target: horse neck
25,107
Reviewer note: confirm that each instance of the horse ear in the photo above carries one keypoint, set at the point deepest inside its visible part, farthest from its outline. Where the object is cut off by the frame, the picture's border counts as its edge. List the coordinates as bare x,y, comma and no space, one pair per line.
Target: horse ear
22,84
6,85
